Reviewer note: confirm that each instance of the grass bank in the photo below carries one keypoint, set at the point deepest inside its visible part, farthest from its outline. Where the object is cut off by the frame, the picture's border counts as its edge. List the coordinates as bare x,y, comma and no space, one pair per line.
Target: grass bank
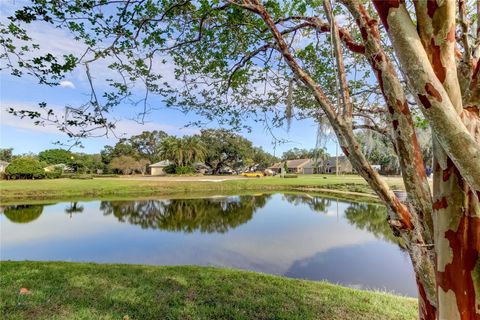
67,189
60,290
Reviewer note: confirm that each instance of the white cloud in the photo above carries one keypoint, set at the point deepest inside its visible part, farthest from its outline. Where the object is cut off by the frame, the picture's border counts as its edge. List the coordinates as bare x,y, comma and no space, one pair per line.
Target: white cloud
124,127
67,84
129,127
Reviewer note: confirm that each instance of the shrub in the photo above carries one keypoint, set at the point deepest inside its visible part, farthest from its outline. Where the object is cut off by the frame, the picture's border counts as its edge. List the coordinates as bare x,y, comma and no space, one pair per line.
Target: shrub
184,170
170,169
81,176
25,168
106,175
290,176
55,174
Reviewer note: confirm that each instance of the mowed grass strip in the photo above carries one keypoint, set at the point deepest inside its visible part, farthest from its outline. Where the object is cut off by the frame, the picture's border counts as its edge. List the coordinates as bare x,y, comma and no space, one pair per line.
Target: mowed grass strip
65,189
60,290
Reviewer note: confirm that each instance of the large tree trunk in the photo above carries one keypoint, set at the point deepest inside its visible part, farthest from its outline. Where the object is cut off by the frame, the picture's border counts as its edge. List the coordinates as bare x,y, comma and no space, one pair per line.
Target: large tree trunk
456,211
442,234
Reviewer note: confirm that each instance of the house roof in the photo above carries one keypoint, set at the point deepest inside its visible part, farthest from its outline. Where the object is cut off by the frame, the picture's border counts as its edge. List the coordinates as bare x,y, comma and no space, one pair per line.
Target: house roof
298,163
277,165
160,164
313,164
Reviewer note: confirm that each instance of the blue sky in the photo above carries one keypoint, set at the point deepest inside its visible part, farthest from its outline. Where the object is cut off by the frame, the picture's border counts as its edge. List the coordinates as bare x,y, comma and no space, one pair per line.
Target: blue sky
24,136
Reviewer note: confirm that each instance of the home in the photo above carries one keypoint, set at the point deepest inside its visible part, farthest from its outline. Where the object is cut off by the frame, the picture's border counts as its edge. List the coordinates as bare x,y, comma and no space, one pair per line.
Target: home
344,165
156,169
61,166
293,166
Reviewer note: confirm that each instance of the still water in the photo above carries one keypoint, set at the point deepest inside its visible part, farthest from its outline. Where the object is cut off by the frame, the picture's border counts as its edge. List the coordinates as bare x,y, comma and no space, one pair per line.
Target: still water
296,235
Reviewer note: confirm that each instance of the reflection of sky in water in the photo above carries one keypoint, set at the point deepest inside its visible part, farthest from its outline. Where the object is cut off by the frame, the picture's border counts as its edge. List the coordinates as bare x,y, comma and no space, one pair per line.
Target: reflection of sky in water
282,237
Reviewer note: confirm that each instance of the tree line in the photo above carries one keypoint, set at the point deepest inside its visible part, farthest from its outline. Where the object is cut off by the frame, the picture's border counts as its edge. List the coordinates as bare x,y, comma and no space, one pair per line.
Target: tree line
215,149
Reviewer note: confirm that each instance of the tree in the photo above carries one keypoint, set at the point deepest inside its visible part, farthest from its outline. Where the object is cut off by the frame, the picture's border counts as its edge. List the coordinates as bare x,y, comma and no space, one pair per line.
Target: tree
187,215
121,148
23,213
262,159
379,150
141,166
56,156
6,154
224,148
297,153
183,151
148,144
87,162
25,168
243,57
124,164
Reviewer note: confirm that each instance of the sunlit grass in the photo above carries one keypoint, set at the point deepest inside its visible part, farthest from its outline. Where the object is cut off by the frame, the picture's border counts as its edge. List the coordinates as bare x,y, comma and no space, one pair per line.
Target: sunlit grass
65,189
60,290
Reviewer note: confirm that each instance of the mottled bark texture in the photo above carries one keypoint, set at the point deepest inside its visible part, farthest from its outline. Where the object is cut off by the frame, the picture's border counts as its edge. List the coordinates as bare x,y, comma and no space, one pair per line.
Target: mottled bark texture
441,229
427,55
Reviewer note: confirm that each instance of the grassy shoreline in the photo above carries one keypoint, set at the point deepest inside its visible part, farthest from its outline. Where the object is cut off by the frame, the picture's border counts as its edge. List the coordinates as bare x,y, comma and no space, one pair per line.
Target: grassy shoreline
23,191
61,290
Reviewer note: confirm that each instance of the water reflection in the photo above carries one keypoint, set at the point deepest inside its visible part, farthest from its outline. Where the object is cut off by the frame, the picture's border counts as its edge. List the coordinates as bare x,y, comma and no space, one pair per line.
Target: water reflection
315,203
74,207
298,235
373,218
187,215
23,213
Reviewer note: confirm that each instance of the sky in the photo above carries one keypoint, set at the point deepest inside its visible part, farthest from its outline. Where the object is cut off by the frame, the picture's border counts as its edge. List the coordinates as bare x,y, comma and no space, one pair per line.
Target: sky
25,137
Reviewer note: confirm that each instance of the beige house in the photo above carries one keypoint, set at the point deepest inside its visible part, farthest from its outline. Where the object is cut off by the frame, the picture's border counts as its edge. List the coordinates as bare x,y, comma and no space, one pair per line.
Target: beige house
309,166
156,169
344,165
294,166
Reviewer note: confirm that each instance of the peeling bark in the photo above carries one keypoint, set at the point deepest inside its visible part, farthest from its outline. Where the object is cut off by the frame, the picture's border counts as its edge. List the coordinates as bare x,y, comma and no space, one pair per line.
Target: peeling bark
456,212
441,232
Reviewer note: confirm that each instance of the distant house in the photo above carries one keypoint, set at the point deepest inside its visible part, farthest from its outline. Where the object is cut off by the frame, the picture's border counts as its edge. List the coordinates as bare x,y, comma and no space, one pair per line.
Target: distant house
3,166
65,168
313,167
293,166
344,165
156,169
276,167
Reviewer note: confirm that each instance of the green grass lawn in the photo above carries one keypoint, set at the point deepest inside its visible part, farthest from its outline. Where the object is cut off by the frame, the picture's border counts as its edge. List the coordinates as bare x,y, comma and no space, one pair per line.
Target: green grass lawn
66,189
60,290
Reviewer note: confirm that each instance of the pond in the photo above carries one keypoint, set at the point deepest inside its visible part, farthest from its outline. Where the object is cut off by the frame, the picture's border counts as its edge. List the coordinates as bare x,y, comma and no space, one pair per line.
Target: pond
296,235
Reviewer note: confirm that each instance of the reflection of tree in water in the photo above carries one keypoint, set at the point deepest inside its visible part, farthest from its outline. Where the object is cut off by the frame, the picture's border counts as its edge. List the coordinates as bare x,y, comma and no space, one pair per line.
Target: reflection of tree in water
23,213
187,215
73,208
372,218
317,204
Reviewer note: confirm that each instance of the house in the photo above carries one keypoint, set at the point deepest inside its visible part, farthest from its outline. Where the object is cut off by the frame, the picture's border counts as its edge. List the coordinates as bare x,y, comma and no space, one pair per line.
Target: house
65,168
293,166
3,166
276,167
313,167
344,165
156,169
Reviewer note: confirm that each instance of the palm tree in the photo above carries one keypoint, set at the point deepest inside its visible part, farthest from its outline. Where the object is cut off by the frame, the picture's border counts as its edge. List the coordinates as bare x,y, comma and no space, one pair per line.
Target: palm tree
183,151
195,149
